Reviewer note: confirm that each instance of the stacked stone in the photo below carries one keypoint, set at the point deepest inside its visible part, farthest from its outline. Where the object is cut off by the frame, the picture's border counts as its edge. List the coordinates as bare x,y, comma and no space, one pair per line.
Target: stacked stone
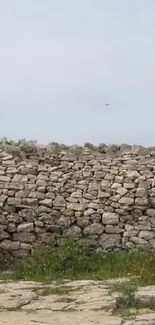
103,197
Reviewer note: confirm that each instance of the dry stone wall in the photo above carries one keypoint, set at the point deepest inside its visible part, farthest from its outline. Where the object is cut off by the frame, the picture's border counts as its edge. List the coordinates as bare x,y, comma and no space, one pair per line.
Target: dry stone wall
101,197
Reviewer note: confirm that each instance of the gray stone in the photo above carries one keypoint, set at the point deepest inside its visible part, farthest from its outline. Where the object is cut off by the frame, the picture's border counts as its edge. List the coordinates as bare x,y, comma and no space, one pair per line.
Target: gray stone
83,222
42,190
40,230
36,195
95,218
146,235
30,187
54,229
22,194
113,230
20,178
47,202
130,233
77,206
50,195
87,242
11,228
115,198
132,174
152,243
105,184
119,179
5,178
103,194
30,202
88,196
94,229
116,186
68,213
26,237
42,168
72,199
121,191
142,227
3,198
128,227
14,201
150,212
93,205
76,194
137,240
12,170
41,182
7,156
28,226
109,218
73,231
13,218
64,222
141,192
43,177
129,185
25,246
4,235
59,202
145,294
130,245
16,186
88,212
143,183
107,241
126,200
9,245
152,202
141,201
38,223
99,174
47,238
145,318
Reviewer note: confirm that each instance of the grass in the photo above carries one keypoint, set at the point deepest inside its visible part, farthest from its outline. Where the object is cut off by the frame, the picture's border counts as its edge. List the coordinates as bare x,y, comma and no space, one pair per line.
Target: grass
127,289
127,305
18,308
72,262
46,291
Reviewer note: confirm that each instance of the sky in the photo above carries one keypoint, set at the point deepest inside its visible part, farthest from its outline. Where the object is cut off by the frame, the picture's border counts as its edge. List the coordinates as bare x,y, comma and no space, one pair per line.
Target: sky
62,60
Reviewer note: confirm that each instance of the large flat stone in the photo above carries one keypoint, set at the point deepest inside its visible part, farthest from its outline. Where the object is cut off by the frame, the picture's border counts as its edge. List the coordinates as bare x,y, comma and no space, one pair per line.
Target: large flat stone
45,317
145,294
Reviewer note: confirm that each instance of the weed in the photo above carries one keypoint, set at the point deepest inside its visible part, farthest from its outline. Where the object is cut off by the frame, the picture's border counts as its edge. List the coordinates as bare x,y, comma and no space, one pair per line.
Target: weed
46,291
17,308
126,288
72,262
127,305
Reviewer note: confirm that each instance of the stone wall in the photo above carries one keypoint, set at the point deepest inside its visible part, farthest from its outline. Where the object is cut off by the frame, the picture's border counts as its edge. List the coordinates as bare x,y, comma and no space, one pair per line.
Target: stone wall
101,196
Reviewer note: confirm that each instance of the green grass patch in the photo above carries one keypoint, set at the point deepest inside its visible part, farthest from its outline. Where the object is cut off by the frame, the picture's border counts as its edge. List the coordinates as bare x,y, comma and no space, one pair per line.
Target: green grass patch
72,262
127,305
126,288
46,291
18,308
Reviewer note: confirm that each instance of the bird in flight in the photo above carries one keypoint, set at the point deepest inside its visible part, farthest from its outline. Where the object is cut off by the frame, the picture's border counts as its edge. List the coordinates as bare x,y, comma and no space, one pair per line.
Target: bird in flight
106,104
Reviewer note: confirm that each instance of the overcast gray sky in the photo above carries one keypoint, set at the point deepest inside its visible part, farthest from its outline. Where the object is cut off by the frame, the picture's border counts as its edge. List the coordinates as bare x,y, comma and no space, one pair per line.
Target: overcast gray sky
62,60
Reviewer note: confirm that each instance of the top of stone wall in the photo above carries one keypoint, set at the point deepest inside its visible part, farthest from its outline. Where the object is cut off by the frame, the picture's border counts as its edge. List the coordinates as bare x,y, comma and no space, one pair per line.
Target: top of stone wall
31,147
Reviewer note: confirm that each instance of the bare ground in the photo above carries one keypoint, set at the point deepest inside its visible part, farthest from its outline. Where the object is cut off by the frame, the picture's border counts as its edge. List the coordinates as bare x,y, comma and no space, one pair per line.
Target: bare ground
86,302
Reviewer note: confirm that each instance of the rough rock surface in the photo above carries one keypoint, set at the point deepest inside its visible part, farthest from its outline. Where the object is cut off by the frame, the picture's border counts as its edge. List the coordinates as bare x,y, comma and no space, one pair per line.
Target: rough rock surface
105,195
89,302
